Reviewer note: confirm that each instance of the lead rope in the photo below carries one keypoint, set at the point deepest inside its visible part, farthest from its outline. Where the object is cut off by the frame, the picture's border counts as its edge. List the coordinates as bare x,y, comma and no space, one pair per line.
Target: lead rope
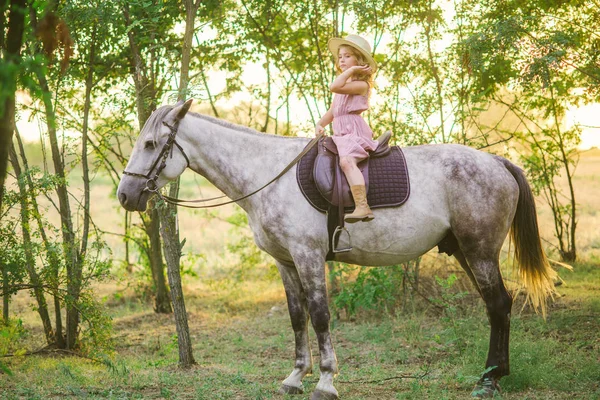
179,202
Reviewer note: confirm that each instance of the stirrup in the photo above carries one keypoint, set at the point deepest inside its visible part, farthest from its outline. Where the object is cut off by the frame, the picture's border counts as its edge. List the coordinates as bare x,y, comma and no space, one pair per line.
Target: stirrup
336,238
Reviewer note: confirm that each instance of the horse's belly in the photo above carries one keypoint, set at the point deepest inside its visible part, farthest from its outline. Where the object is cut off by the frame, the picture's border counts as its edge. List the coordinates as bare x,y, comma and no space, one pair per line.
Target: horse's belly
393,238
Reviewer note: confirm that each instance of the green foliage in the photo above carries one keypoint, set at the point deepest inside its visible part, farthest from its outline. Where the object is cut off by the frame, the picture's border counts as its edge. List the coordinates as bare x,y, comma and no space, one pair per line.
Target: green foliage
449,296
11,334
535,59
45,244
190,262
449,301
378,290
12,246
12,257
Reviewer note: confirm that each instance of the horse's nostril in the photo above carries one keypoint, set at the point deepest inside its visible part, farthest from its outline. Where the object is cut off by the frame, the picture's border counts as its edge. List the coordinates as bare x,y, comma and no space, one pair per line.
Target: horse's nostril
122,198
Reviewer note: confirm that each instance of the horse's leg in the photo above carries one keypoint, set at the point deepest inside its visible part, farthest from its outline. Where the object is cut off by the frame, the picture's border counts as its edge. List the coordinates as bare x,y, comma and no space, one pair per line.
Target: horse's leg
498,303
297,307
311,270
458,254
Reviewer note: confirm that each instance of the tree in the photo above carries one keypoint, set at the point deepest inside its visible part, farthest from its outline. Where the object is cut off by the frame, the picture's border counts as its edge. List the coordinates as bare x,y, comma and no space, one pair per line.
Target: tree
73,258
168,212
151,56
545,54
29,251
49,46
10,65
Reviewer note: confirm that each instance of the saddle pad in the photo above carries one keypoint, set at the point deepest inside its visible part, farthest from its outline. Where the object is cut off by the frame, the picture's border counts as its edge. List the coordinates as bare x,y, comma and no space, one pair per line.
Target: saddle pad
389,183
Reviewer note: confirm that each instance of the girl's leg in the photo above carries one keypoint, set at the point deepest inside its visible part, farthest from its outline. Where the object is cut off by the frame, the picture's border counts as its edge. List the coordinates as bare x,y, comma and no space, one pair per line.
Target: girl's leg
362,212
353,174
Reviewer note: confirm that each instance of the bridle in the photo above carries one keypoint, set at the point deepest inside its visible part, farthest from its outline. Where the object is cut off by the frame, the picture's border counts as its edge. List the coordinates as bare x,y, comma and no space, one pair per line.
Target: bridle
152,186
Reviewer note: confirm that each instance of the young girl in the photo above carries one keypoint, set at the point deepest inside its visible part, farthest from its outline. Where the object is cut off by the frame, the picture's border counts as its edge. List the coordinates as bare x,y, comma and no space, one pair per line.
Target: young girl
351,134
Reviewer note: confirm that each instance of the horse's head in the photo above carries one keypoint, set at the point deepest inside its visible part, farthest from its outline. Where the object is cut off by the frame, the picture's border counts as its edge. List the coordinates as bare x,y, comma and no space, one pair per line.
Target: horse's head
156,158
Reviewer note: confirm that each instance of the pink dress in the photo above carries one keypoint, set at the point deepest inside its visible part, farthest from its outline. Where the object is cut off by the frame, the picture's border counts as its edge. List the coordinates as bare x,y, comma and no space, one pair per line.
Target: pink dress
351,133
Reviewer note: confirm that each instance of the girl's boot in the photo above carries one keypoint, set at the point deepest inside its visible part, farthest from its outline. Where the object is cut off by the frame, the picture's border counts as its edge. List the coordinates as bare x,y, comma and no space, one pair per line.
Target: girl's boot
362,212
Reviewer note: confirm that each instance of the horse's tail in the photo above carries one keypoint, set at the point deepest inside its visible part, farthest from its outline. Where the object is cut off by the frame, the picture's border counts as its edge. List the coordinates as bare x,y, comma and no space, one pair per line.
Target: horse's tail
535,271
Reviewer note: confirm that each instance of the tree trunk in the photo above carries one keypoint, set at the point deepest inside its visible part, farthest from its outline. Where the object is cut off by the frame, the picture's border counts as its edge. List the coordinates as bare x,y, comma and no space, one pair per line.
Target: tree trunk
128,264
6,296
34,278
73,262
168,213
89,85
53,257
162,303
11,52
69,244
170,236
146,104
570,254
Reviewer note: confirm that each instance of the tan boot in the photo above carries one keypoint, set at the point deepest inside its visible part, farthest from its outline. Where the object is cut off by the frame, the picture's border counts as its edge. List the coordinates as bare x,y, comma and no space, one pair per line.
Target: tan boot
362,212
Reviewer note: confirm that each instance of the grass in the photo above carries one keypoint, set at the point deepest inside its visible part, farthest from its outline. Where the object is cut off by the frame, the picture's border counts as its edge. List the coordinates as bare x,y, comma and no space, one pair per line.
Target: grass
243,344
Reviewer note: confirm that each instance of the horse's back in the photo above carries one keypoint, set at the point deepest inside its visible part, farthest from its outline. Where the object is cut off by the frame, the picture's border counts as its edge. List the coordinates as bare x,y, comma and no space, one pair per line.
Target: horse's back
458,170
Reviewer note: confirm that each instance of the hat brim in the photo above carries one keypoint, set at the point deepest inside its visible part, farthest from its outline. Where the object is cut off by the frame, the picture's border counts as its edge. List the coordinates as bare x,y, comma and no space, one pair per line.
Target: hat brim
334,46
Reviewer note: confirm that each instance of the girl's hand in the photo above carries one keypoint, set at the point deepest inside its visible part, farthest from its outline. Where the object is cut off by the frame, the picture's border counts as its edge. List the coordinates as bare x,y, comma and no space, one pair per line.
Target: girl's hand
357,69
319,129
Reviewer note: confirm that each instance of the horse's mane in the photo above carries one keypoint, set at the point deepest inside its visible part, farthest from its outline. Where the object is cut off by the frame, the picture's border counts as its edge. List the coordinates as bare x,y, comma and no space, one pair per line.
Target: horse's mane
154,122
233,126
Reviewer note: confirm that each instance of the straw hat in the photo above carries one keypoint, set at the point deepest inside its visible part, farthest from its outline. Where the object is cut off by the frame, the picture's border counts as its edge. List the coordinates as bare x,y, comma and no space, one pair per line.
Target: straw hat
356,42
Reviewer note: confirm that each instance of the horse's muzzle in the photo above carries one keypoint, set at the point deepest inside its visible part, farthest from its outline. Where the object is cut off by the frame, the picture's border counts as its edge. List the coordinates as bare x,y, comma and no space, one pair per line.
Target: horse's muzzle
130,205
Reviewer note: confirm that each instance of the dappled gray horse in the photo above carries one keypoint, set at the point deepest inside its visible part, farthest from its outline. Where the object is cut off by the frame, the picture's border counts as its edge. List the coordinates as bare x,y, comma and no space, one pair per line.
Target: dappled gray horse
473,196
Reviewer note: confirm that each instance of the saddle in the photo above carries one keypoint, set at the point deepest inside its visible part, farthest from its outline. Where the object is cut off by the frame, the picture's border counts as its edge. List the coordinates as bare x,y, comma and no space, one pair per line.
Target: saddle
328,175
325,187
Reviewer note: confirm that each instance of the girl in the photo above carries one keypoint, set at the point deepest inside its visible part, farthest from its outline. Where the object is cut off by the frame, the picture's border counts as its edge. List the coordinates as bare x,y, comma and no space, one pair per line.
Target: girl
351,134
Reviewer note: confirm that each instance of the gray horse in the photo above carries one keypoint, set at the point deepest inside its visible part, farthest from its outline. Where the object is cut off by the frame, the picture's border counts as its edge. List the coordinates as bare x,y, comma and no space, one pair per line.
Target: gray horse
473,196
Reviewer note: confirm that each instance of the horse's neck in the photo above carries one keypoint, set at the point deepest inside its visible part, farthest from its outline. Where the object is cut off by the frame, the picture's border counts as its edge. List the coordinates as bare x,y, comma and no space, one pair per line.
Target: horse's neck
235,161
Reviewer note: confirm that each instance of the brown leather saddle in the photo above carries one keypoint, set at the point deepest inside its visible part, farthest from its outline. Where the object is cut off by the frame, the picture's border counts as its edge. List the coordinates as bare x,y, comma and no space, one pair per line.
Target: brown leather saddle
324,185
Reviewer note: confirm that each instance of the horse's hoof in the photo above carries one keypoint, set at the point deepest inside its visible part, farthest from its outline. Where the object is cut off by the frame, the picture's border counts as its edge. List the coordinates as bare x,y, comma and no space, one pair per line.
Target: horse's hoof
320,395
286,389
486,388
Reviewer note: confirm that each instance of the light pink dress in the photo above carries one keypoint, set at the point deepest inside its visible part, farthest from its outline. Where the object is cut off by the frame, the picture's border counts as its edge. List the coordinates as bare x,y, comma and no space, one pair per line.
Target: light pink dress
351,134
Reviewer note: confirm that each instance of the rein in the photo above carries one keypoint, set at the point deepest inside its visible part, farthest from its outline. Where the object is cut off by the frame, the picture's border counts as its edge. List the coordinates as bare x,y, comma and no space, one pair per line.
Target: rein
151,185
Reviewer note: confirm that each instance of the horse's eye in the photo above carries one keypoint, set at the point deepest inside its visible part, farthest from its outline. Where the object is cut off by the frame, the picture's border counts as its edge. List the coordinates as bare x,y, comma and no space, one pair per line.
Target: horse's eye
149,144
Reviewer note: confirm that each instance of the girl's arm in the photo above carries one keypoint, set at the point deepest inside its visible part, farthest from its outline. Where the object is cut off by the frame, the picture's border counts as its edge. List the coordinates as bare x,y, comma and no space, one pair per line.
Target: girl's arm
342,86
323,122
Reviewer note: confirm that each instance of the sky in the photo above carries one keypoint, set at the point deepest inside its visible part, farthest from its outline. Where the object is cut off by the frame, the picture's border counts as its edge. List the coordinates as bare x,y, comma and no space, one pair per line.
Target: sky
587,118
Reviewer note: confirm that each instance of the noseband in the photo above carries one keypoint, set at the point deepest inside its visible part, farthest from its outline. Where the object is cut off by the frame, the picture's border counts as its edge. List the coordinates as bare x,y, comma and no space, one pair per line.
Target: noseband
151,185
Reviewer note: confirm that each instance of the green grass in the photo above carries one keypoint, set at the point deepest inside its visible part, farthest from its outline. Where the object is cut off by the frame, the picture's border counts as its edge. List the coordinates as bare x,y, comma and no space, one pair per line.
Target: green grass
244,349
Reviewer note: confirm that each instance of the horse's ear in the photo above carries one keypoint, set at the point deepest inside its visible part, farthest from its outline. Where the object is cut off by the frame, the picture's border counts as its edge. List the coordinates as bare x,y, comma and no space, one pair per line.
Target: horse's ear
183,108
